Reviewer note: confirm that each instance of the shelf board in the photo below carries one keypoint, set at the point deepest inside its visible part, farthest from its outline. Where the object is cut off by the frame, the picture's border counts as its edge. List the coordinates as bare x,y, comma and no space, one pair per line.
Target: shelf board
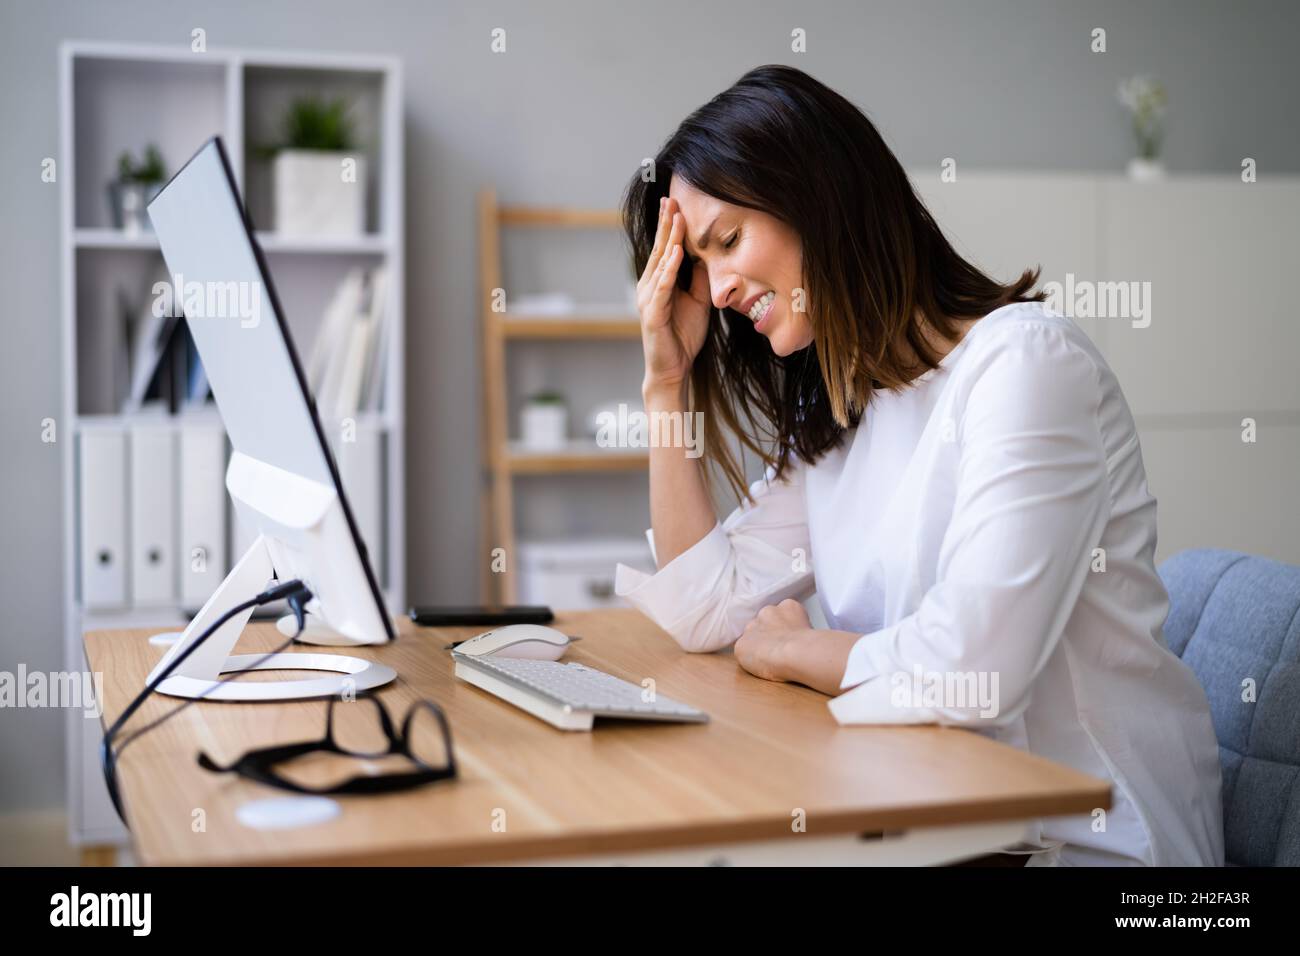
114,239
562,216
380,421
206,416
576,456
370,244
570,326
164,618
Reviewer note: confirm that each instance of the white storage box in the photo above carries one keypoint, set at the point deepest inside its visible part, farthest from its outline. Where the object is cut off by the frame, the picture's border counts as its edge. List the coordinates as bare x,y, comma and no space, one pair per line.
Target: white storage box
312,198
577,574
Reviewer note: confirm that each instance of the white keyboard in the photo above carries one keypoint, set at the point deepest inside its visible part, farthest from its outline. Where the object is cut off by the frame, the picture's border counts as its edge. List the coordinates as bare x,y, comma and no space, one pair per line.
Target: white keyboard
568,696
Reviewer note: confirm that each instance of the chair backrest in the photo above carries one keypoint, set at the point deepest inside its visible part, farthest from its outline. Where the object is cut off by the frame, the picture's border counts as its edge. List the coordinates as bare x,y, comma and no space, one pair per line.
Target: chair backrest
1235,619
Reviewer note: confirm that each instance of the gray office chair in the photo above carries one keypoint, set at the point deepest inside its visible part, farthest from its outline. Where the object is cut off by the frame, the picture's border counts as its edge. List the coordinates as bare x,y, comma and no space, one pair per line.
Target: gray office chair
1234,616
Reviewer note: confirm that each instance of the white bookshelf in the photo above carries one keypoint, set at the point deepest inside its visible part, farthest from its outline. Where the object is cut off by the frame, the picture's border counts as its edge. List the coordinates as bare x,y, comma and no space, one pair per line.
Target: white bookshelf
117,97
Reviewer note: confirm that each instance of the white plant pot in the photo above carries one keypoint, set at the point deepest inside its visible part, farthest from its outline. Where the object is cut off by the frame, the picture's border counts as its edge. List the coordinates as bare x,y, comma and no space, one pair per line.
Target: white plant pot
543,426
128,202
313,197
1145,170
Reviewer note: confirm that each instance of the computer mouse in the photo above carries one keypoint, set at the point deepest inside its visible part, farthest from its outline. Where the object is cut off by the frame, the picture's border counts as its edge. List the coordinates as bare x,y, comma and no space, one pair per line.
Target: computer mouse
534,642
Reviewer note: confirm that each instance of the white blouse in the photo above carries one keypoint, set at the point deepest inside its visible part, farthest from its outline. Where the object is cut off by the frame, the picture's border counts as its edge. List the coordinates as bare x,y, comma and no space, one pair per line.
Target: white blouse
990,533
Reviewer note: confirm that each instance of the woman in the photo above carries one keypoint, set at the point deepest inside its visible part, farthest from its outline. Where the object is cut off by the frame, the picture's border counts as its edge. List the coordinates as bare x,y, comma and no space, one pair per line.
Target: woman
952,468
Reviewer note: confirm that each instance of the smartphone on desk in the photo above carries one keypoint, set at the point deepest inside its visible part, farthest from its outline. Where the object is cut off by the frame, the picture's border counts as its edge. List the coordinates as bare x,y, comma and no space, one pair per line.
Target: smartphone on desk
430,616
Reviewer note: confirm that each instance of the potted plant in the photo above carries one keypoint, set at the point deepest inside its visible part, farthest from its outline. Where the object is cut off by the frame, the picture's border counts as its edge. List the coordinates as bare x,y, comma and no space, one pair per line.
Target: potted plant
1144,97
136,185
319,182
544,421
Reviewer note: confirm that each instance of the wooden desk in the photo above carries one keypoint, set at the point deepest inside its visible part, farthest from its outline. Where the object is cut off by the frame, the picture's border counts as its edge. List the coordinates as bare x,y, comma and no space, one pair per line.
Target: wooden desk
733,789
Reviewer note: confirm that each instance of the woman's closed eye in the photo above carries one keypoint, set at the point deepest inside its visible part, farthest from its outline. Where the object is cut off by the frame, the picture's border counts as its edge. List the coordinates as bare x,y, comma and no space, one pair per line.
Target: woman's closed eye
695,260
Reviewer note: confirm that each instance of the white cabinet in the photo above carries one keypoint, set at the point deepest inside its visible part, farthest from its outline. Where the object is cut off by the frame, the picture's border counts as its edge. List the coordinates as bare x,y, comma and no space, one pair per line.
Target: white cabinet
1218,255
1217,348
579,573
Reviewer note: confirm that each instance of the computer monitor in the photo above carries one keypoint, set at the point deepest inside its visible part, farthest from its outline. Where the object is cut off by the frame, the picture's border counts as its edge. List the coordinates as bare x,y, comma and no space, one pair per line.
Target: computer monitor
282,478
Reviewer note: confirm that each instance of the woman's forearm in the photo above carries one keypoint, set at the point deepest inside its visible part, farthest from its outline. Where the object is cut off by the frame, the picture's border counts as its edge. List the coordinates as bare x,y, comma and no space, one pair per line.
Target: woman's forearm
681,510
817,659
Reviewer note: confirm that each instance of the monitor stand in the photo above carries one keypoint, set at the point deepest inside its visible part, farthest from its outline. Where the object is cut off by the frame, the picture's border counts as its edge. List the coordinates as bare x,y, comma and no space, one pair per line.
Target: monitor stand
199,675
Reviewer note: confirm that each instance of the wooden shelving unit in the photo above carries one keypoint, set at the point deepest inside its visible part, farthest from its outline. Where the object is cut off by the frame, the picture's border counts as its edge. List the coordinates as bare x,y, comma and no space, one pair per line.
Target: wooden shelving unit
503,459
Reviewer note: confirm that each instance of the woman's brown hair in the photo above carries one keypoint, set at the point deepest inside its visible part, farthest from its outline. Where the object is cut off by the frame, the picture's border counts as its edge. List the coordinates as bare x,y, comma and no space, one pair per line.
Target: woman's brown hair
874,263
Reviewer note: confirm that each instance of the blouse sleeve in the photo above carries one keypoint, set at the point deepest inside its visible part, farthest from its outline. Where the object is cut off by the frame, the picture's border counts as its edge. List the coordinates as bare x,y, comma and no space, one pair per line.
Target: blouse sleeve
1032,501
759,555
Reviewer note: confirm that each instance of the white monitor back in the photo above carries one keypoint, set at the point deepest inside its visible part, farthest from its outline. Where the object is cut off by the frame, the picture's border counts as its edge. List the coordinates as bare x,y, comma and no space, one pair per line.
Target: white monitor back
282,477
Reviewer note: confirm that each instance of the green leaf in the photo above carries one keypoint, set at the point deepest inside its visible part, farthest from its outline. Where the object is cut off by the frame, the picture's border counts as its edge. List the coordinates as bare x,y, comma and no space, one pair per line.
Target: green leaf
151,169
314,122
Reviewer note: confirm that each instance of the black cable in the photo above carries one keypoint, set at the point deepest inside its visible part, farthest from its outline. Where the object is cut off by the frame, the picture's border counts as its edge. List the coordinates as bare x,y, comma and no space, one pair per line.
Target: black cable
295,603
294,592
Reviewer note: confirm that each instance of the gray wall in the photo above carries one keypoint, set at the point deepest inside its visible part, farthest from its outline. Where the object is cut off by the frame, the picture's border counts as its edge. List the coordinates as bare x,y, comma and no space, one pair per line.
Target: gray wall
583,93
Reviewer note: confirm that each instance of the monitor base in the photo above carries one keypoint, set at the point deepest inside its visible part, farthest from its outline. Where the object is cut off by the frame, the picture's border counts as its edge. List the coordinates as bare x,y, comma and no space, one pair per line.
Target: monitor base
199,676
352,675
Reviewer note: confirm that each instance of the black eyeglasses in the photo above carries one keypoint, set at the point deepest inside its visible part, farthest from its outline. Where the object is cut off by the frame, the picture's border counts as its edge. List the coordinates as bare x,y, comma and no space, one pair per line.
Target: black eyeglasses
367,733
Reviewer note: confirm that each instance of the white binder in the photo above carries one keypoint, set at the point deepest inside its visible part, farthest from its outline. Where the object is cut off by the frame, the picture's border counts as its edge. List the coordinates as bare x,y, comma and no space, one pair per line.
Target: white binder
153,514
202,554
241,535
361,467
101,485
